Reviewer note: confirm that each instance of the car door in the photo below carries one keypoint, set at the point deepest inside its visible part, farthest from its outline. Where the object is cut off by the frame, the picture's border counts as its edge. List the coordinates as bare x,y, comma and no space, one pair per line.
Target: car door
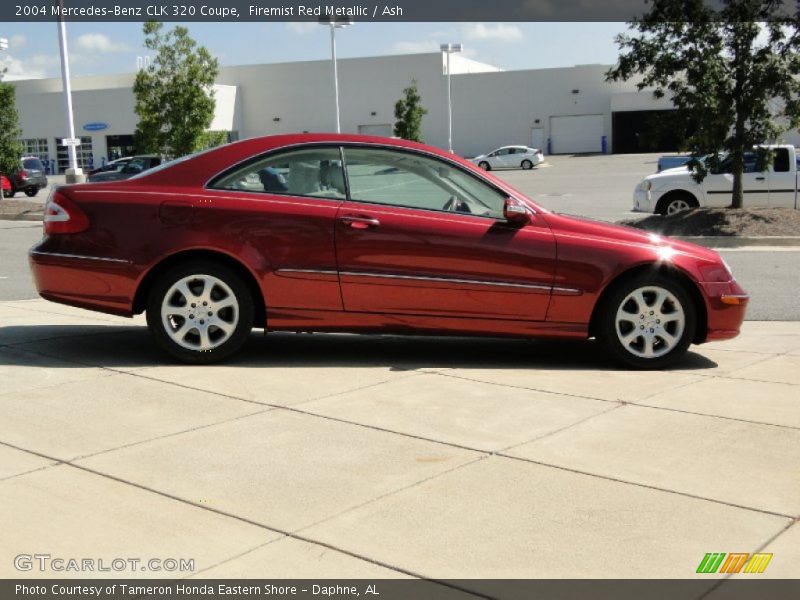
718,186
419,235
782,180
283,207
499,158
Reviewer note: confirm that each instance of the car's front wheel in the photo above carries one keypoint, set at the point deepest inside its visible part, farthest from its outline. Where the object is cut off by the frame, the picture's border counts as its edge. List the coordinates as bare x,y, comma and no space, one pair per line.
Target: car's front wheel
200,312
647,322
485,166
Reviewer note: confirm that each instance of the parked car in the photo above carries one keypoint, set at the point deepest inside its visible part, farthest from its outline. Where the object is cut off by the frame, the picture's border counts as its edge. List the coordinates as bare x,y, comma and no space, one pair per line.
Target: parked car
674,190
364,234
135,166
31,177
113,165
5,184
509,157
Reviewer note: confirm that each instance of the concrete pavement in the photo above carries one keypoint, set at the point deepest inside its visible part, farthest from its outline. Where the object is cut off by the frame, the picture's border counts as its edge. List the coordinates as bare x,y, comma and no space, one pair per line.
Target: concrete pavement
347,456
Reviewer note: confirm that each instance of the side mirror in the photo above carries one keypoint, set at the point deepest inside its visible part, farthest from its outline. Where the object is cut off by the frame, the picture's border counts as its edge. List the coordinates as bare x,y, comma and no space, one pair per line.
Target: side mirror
516,212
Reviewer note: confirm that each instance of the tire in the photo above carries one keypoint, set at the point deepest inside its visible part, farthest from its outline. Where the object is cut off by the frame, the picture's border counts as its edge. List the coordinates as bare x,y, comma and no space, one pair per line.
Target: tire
527,165
676,203
647,322
177,326
485,166
30,192
10,194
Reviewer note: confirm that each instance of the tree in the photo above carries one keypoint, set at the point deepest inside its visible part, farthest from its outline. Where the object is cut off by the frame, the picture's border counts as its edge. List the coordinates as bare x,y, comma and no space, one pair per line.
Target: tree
174,94
723,69
10,148
409,113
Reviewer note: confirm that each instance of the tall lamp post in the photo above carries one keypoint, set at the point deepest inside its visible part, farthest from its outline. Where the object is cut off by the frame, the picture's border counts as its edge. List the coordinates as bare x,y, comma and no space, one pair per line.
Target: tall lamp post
74,172
450,49
3,48
334,24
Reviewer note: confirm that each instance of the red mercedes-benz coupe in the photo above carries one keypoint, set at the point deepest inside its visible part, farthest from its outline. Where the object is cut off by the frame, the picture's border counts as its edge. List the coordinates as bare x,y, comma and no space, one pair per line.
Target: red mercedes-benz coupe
361,234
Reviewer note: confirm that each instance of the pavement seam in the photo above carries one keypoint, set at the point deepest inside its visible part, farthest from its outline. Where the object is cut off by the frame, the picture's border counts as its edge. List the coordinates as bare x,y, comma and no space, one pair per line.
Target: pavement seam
560,430
241,519
639,401
646,486
460,446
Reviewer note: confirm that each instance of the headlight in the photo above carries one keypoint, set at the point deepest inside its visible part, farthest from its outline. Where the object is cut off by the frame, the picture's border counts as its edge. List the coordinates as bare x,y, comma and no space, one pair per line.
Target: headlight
646,185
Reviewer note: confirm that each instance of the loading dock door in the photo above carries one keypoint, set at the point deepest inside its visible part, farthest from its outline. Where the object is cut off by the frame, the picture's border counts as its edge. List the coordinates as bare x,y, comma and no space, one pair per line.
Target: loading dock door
576,134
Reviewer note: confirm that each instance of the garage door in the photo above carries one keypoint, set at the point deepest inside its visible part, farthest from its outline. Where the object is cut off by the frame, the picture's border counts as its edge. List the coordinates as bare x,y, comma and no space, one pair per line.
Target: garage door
576,134
379,130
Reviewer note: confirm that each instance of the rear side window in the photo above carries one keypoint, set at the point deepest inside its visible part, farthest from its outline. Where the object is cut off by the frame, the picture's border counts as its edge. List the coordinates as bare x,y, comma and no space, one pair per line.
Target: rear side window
781,162
315,172
33,164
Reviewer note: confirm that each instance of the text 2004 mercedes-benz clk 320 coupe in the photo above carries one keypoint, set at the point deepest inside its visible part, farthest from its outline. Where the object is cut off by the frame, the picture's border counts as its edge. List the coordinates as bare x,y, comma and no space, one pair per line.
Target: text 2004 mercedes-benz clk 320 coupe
360,234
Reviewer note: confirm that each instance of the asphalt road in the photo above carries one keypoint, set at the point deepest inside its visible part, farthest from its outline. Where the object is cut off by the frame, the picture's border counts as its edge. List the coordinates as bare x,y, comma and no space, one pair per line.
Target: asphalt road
769,275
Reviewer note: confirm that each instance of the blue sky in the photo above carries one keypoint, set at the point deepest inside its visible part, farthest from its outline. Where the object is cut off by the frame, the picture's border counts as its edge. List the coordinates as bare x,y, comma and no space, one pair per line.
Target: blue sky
104,48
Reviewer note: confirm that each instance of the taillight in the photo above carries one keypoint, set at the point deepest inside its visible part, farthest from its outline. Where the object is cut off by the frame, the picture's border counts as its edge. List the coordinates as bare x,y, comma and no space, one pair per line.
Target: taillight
62,215
23,174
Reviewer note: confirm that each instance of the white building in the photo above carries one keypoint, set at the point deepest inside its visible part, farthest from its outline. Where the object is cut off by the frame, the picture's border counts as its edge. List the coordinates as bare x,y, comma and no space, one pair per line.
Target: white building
564,110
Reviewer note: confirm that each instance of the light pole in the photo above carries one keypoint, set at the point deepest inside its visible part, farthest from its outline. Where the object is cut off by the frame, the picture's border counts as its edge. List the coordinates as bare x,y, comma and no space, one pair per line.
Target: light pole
334,24
3,48
450,49
74,172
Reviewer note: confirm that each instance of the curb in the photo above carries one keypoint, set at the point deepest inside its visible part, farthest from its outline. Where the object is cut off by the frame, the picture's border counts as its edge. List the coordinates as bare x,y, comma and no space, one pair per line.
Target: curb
24,216
721,241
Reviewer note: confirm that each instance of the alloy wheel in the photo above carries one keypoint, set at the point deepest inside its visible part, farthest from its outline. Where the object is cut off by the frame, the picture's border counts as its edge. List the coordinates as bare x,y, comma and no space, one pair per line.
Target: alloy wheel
650,322
200,312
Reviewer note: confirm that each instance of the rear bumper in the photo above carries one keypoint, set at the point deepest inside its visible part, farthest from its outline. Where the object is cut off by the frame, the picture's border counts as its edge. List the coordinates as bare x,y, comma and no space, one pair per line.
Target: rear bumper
92,282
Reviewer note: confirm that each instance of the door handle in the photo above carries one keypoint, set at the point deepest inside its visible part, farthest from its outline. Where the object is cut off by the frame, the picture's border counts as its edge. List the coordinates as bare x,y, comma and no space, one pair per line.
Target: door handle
760,178
360,222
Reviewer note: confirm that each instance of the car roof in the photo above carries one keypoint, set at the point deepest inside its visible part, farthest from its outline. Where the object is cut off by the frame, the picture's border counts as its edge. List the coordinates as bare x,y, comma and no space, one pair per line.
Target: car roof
198,169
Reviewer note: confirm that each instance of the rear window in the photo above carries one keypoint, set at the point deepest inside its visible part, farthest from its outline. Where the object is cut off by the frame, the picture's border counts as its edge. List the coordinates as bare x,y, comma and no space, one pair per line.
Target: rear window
32,163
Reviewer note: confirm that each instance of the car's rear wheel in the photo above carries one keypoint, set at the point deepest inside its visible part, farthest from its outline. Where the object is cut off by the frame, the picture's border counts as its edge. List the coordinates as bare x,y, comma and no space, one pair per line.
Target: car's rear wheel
527,165
9,193
647,322
30,192
200,312
485,166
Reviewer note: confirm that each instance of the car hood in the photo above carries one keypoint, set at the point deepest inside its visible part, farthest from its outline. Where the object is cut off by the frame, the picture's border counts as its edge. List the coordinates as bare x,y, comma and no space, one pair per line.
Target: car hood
480,156
623,234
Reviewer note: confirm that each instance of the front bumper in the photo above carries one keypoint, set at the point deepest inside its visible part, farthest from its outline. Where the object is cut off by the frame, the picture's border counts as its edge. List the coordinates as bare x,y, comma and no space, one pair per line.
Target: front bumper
726,306
642,201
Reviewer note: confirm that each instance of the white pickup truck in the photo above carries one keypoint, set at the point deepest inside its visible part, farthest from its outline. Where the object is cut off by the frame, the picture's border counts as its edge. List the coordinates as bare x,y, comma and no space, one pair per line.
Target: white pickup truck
673,190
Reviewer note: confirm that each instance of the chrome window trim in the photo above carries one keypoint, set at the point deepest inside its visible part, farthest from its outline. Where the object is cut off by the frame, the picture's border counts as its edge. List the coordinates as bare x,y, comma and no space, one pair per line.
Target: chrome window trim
343,144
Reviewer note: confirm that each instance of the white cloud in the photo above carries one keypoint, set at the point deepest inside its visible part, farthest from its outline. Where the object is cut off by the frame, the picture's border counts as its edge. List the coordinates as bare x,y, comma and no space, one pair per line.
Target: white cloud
497,32
99,42
19,69
302,27
17,41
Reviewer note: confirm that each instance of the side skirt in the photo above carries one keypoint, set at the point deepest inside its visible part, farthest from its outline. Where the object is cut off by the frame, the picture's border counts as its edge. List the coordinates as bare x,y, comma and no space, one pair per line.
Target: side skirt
282,319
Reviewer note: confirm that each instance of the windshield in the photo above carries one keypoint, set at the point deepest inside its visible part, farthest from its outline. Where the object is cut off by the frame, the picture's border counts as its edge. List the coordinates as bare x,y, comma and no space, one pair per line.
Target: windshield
32,163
